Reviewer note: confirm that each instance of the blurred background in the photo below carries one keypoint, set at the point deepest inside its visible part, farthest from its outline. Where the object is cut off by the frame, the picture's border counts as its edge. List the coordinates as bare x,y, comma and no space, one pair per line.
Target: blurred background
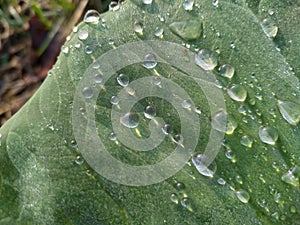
31,35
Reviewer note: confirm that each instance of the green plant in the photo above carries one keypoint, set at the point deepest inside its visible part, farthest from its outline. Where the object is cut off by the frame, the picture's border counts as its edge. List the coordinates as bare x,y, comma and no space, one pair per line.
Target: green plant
44,178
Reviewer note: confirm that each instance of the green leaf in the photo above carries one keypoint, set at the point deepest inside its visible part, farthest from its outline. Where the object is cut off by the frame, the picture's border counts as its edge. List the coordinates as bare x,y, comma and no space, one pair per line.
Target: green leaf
50,150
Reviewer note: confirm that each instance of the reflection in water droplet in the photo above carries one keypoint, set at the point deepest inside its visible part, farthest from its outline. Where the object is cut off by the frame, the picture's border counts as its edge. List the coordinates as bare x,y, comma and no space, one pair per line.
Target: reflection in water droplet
82,35
268,135
114,100
246,141
269,28
150,112
237,92
206,59
91,16
87,92
187,30
123,80
130,120
174,198
226,71
188,5
79,160
167,129
243,196
147,2
200,162
150,61
290,112
292,177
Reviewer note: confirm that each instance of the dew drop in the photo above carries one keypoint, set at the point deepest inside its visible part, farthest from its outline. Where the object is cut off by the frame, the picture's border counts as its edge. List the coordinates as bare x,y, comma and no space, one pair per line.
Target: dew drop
199,162
82,34
112,136
79,160
147,2
215,3
96,65
114,6
180,186
221,181
114,100
237,93
174,198
268,135
186,104
246,141
138,28
223,122
156,80
243,196
91,16
150,112
189,30
178,139
130,120
206,59
87,92
150,61
65,49
88,50
292,176
158,32
269,28
290,112
167,129
186,203
188,5
226,71
123,80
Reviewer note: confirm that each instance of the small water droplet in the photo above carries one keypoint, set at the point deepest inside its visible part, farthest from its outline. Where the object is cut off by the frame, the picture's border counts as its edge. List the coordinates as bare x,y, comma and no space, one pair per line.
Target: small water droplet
130,120
226,71
158,32
188,5
96,65
178,139
91,16
246,141
138,28
186,104
112,136
114,100
150,112
239,179
243,196
215,3
87,92
180,187
187,30
111,42
200,162
98,78
147,2
290,112
174,198
88,49
75,29
77,45
156,80
79,160
83,34
123,80
268,135
237,93
269,28
167,129
292,176
206,59
65,49
150,61
223,122
114,6
221,181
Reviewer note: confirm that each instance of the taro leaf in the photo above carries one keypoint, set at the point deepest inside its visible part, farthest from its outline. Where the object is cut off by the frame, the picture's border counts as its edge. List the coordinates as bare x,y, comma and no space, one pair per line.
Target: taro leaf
45,179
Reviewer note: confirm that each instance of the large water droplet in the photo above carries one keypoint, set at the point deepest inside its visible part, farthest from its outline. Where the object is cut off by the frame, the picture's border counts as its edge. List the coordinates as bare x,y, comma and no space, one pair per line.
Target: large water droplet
243,196
292,176
83,34
150,112
268,135
130,120
269,28
87,92
188,5
246,141
237,92
91,16
123,80
206,59
226,71
189,30
147,2
150,61
200,162
290,111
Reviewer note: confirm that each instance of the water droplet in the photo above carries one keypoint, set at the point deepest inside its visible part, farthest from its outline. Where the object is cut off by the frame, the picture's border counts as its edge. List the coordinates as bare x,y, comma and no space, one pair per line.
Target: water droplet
150,61
147,2
221,181
180,186
114,100
189,30
215,3
167,129
156,80
96,65
206,59
111,42
226,71
83,34
243,196
88,49
98,78
188,5
237,93
174,198
186,104
130,120
269,28
290,112
75,29
79,160
268,135
150,112
91,16
239,179
246,141
178,139
138,28
123,80
292,176
223,122
186,203
112,136
87,92
77,45
200,162
158,32
114,6
65,49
